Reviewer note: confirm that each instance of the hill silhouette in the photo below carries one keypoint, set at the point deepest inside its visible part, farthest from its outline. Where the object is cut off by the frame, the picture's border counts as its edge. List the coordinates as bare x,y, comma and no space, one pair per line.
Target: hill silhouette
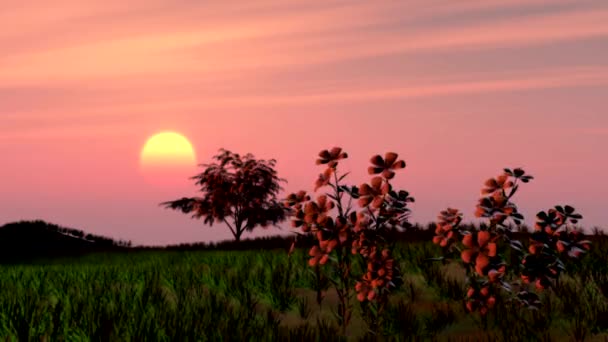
27,240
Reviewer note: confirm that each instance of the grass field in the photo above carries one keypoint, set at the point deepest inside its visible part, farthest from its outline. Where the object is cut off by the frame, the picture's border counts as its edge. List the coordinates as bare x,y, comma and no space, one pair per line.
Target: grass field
263,295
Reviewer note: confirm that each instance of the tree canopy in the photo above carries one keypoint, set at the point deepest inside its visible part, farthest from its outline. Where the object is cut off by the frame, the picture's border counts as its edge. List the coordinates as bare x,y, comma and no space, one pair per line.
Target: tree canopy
240,191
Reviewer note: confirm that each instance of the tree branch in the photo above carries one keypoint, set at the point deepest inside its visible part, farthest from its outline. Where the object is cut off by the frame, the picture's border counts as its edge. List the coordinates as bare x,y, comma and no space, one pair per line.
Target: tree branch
230,227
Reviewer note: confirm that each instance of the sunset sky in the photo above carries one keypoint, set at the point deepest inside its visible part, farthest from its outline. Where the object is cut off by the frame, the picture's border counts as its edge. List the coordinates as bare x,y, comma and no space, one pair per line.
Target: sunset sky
460,89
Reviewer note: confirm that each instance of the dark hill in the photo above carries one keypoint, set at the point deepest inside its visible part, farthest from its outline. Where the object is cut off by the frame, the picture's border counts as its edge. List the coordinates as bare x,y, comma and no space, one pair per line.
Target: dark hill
28,240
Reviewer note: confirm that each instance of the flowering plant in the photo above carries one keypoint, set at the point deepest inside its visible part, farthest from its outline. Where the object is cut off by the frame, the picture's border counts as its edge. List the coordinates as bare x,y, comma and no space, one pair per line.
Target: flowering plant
479,249
349,233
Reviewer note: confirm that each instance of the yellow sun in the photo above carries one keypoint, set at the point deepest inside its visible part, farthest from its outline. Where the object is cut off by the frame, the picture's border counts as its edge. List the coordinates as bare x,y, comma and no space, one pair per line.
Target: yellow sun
168,160
168,149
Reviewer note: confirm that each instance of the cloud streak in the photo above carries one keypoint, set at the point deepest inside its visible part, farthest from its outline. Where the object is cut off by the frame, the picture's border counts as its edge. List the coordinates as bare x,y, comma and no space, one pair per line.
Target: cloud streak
327,35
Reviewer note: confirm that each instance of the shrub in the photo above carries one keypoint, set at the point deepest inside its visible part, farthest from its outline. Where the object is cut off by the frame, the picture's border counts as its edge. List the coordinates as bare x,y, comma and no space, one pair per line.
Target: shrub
538,264
355,237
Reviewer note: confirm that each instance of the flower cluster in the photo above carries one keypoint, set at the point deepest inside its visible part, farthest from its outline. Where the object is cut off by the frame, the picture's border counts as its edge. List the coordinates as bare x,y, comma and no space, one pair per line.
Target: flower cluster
552,239
447,227
379,275
480,299
495,203
331,157
354,232
386,166
480,248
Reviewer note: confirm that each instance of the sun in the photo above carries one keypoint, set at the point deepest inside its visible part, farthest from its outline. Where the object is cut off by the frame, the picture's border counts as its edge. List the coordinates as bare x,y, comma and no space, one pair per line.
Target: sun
167,157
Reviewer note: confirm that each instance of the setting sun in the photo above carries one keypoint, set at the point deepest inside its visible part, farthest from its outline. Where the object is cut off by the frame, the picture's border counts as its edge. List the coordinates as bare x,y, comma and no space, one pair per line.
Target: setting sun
168,149
167,158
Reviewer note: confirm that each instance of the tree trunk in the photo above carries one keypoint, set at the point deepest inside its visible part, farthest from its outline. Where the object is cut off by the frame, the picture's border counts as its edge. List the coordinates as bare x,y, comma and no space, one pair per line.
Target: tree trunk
237,235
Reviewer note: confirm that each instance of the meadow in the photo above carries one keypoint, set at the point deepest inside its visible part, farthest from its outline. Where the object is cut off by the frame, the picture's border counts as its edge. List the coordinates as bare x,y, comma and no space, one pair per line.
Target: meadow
262,294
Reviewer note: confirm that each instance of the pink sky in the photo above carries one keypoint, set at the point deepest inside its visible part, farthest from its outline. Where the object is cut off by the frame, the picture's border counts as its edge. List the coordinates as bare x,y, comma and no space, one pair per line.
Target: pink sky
460,89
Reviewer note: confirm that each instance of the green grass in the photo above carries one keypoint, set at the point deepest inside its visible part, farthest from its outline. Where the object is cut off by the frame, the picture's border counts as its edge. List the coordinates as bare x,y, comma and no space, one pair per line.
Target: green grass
263,295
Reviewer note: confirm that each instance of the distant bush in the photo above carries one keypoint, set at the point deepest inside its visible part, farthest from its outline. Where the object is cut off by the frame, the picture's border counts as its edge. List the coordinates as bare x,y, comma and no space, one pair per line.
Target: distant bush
32,239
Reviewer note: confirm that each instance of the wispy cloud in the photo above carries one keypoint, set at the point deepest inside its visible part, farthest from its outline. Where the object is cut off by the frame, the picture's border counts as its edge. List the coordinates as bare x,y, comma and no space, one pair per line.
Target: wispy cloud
269,37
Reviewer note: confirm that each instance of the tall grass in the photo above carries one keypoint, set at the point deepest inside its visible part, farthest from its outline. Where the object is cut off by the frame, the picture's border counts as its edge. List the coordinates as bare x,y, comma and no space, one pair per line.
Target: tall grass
253,295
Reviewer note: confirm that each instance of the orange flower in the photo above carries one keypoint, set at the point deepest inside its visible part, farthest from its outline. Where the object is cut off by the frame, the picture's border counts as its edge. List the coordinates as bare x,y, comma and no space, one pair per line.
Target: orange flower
539,269
363,246
316,212
359,221
296,200
323,179
344,230
373,194
386,166
327,245
572,243
480,250
549,221
501,182
450,216
480,299
495,275
445,235
535,247
379,275
331,157
446,222
496,207
299,220
318,256
364,291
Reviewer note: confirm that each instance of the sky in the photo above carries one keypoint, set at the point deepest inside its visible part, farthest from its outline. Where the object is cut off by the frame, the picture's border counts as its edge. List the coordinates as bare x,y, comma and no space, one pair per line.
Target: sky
460,89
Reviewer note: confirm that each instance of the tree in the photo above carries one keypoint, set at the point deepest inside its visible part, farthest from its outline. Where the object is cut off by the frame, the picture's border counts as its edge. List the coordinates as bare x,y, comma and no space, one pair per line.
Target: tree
240,191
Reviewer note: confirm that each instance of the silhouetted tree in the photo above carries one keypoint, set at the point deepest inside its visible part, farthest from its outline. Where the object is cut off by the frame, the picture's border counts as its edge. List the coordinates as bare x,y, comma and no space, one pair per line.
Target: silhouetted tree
240,191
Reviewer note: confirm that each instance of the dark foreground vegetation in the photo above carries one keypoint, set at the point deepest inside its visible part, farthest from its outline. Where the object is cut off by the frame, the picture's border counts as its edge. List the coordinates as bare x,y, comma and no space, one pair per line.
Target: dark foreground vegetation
355,272
260,294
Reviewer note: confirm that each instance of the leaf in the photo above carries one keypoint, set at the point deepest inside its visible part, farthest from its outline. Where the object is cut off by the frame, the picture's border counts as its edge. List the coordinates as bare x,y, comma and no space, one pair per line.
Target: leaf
435,259
373,309
517,215
333,197
518,172
525,179
517,245
343,176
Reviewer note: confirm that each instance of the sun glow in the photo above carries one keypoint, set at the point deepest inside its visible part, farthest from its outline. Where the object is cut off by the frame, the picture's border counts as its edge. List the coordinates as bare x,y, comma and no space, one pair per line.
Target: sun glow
167,157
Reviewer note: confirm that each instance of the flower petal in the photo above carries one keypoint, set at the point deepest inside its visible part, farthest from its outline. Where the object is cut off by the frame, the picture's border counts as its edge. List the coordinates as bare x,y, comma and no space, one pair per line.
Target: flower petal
467,256
372,170
399,165
377,161
492,249
467,241
376,182
335,152
483,237
388,174
390,158
365,201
